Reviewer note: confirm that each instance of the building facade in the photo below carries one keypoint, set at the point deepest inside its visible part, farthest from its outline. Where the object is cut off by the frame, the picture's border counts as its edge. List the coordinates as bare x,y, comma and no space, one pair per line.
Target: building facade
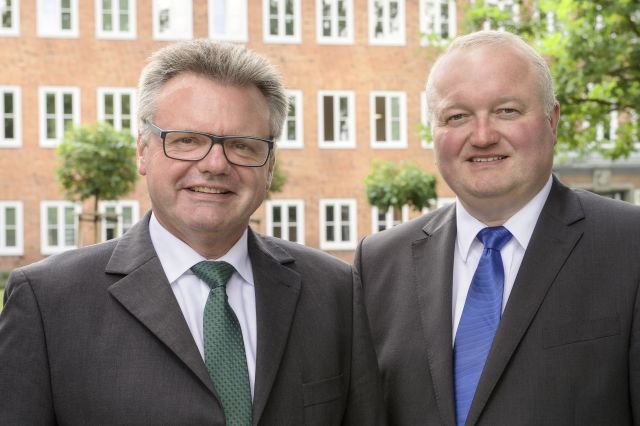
355,70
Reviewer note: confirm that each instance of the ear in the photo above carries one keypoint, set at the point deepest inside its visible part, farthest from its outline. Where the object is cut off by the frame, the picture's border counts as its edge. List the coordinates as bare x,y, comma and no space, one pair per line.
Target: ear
553,121
141,151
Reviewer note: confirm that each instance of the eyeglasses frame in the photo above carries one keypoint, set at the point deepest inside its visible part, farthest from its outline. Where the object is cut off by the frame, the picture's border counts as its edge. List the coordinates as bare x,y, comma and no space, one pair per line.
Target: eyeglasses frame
215,139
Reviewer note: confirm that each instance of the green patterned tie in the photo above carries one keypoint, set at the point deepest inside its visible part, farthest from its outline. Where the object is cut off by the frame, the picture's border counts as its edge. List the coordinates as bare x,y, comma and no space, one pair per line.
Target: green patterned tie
223,345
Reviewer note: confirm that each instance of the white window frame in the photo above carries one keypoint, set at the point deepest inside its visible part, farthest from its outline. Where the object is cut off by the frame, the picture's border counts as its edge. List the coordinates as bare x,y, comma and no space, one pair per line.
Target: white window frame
284,142
502,4
16,141
434,20
284,218
351,122
388,38
59,92
334,39
45,248
18,249
14,29
231,16
119,205
425,119
117,93
183,6
389,220
115,33
296,37
388,143
337,204
54,7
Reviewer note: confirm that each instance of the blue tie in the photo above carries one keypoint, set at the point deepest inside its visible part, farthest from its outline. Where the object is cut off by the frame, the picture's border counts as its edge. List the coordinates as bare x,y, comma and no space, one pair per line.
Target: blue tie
480,319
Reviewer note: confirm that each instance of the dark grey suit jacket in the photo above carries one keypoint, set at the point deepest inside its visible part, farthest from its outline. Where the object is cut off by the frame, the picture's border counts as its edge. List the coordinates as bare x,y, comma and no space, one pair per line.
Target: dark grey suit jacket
567,351
96,337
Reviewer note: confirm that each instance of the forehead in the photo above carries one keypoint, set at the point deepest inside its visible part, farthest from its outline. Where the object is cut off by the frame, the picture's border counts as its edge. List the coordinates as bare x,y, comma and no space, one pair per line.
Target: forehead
485,71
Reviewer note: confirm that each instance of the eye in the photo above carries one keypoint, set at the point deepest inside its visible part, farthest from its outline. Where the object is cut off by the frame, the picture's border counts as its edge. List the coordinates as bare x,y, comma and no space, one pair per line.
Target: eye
507,111
185,140
455,117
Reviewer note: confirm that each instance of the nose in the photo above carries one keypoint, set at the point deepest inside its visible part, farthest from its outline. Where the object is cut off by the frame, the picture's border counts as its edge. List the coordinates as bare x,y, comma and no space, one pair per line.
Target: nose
484,133
215,161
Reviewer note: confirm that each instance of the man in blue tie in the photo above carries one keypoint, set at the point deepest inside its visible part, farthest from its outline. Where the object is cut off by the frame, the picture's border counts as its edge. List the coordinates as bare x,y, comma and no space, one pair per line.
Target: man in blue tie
519,304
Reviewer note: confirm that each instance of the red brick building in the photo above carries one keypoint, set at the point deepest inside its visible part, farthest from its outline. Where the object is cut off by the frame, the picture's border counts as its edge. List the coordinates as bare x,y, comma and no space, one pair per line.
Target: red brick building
356,70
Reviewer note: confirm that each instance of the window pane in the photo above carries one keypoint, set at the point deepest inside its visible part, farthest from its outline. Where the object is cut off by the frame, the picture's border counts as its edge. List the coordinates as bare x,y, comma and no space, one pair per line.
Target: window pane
108,104
8,103
344,118
51,128
51,103
380,119
126,104
329,213
8,128
277,217
67,102
328,118
10,238
107,25
10,216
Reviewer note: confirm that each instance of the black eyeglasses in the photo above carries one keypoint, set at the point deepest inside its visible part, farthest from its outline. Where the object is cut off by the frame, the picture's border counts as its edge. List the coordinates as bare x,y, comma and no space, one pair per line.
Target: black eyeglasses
246,151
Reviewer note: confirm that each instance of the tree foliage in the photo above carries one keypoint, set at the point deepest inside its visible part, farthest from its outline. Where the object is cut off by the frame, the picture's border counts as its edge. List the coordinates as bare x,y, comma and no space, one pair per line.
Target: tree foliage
593,48
392,185
96,161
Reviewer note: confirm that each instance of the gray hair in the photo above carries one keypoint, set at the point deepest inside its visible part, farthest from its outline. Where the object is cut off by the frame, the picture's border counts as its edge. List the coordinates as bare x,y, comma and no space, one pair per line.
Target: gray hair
501,39
222,62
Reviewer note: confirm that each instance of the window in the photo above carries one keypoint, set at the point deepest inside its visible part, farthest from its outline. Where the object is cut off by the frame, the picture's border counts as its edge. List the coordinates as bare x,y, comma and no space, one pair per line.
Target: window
336,119
116,19
381,220
437,20
117,217
388,120
58,226
58,18
10,114
116,106
386,22
606,132
510,7
292,132
172,20
59,109
281,21
9,17
338,224
228,20
425,120
334,21
11,239
285,219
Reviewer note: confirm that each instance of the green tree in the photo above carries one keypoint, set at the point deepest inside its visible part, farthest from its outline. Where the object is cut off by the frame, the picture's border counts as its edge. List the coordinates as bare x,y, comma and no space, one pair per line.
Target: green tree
392,185
593,48
278,180
96,161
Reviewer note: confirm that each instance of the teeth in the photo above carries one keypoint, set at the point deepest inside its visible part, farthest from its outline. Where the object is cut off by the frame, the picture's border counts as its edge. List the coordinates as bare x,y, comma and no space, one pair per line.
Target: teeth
487,159
207,190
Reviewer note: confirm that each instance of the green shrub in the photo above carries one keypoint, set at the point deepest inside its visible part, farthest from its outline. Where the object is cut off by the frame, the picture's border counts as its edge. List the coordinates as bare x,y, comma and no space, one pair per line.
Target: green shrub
4,276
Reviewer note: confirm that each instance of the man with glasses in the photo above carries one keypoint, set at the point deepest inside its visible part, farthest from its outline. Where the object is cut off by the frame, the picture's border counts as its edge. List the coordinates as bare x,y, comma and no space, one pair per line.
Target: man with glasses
191,318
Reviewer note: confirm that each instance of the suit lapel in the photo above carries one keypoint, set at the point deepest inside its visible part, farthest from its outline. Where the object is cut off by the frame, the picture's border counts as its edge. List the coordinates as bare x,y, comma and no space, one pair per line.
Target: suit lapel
552,241
145,292
277,291
433,260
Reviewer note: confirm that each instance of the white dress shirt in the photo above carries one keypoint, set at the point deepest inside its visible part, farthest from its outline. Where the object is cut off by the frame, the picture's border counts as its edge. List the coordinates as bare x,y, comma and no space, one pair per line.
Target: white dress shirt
191,292
469,249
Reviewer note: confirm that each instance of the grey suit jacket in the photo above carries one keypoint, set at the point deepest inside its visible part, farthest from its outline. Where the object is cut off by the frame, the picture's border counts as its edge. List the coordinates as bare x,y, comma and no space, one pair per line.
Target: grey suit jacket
96,337
567,351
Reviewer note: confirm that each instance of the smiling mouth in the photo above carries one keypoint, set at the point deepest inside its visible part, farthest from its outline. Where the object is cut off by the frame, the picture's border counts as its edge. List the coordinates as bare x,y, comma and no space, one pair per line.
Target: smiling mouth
487,159
208,190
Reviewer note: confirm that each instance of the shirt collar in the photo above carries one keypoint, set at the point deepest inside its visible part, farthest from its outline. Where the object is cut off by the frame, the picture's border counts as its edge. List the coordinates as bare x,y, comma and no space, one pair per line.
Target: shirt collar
520,225
177,257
